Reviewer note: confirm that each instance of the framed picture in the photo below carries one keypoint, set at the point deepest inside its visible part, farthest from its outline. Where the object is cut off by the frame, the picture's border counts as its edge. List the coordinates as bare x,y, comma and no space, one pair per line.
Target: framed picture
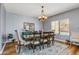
29,26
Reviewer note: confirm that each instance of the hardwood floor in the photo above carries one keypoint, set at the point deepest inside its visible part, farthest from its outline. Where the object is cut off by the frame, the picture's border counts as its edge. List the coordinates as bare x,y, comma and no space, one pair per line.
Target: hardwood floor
10,49
74,49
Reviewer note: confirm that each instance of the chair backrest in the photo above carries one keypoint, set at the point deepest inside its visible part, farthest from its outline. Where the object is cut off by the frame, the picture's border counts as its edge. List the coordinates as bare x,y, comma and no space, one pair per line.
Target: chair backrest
26,34
16,31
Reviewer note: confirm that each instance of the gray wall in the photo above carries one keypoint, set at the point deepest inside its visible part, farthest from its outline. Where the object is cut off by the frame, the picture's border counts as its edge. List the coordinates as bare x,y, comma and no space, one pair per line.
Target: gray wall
14,21
73,16
2,24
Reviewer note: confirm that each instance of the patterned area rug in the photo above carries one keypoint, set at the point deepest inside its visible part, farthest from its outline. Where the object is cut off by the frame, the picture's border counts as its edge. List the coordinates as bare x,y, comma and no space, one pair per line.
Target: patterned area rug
56,49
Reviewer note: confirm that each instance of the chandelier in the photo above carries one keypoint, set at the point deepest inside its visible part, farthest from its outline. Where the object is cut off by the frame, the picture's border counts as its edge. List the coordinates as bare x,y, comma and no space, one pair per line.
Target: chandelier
42,17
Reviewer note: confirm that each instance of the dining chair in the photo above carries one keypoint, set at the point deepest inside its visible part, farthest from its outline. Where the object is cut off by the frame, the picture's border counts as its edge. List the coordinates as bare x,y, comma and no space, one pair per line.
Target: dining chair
36,41
45,38
27,36
52,37
21,42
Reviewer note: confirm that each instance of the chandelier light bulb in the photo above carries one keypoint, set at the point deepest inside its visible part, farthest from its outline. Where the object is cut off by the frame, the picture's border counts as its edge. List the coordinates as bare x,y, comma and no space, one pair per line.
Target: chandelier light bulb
42,17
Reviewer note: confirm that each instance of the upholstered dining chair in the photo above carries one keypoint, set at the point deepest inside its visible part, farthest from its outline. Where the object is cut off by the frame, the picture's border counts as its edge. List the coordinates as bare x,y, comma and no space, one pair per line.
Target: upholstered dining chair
36,41
45,39
21,42
52,37
27,36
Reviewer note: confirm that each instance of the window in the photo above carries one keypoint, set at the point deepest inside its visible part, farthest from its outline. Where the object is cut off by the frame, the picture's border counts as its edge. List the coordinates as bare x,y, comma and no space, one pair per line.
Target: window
55,26
64,27
61,27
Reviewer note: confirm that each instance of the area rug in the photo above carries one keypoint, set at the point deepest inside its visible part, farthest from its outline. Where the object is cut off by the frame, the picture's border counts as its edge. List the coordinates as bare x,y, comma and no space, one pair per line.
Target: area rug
56,49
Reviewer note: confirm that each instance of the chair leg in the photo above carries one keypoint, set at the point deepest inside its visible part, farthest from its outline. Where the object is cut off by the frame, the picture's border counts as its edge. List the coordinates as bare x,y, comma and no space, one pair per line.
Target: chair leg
33,48
19,49
53,41
40,46
48,42
43,46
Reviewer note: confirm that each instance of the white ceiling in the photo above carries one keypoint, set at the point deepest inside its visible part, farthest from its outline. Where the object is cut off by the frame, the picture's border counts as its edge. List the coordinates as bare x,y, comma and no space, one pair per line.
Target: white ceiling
34,9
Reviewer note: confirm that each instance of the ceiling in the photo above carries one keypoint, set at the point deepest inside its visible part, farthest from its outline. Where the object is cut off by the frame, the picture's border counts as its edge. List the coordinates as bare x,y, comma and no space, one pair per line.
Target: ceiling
34,9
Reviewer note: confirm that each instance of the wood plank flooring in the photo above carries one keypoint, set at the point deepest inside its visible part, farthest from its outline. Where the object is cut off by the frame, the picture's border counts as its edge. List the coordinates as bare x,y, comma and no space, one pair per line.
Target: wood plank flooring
74,49
10,49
